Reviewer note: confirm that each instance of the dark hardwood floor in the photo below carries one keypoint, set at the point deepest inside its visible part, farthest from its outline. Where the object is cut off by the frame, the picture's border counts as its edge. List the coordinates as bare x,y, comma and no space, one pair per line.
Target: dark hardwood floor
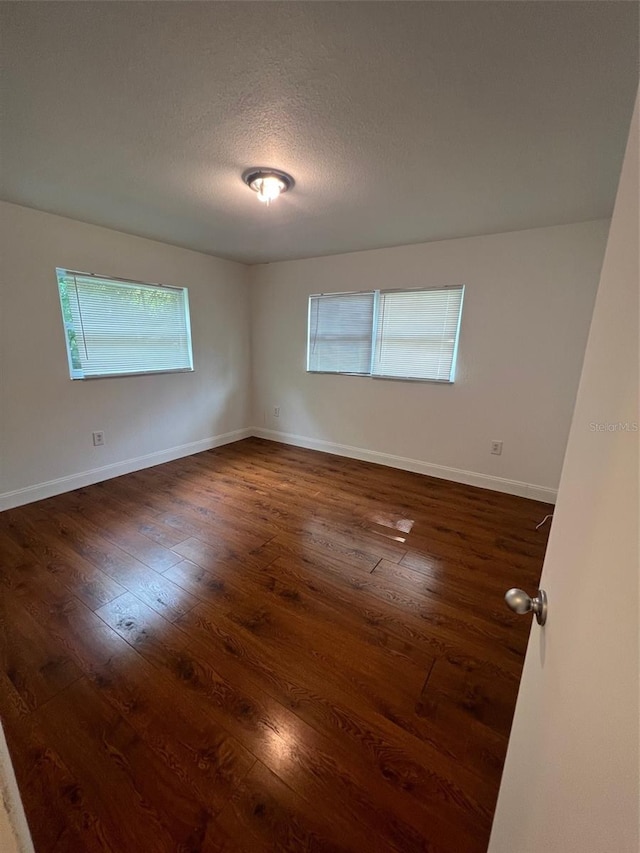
263,648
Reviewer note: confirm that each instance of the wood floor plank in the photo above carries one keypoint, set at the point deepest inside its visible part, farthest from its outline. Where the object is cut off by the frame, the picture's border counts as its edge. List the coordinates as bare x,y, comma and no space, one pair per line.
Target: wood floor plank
353,664
36,671
320,767
291,590
34,533
129,507
430,609
272,817
203,755
387,750
402,491
59,817
476,689
422,624
205,758
118,529
263,648
307,541
72,629
120,773
150,586
453,578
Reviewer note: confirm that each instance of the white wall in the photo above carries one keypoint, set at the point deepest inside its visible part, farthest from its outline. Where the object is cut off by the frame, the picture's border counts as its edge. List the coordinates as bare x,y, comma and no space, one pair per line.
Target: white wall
528,304
14,831
527,309
571,777
46,419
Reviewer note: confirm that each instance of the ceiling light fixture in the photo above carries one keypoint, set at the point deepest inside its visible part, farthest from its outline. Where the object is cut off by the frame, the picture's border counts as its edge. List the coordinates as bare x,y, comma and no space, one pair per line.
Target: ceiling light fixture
267,183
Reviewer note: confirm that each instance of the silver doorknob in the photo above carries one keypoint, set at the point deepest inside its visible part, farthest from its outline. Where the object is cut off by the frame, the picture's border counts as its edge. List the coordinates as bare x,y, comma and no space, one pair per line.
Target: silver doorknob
520,602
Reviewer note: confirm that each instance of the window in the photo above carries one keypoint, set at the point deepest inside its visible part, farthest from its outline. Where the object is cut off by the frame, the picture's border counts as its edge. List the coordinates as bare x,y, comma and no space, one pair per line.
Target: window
340,333
390,334
116,327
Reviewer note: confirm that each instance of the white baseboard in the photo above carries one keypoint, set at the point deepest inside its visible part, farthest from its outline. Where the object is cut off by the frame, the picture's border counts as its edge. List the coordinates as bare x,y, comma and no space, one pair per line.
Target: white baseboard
38,491
470,478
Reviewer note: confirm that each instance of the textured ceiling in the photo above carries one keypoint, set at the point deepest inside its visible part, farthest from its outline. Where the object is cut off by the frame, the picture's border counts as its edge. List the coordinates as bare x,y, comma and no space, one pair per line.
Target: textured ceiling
401,122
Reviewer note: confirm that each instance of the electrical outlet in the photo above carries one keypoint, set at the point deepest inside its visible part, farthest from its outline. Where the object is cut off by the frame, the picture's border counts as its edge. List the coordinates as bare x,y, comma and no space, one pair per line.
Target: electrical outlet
98,438
276,411
496,448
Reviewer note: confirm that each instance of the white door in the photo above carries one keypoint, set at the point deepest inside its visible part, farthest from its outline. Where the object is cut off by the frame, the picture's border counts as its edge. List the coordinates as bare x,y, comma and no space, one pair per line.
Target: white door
570,782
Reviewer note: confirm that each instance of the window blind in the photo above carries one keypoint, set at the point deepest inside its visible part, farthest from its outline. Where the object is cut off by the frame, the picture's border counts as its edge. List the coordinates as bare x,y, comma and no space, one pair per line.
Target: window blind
416,332
119,328
340,333
392,334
